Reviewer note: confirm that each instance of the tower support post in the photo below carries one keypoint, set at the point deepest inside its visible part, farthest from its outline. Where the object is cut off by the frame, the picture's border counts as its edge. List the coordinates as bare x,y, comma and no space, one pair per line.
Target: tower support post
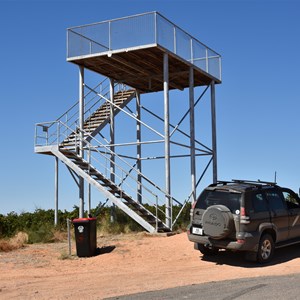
56,192
214,131
139,146
192,134
112,142
81,143
167,141
89,189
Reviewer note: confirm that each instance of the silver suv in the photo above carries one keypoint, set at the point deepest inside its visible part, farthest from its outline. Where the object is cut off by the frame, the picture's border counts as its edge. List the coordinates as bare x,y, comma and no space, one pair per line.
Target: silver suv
251,216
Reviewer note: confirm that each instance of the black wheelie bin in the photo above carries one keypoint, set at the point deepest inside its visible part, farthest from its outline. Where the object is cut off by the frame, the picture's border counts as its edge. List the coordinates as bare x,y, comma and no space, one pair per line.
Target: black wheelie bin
85,236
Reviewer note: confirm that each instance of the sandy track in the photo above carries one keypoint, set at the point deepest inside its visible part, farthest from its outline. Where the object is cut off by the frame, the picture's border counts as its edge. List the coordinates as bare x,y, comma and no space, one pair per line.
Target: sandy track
138,262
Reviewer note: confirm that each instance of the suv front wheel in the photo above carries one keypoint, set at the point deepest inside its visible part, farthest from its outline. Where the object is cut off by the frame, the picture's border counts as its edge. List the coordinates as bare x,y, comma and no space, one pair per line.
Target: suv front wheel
265,249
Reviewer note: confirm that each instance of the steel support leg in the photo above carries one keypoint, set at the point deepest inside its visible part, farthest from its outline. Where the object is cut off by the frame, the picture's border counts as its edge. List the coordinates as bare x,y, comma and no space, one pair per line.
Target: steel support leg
139,146
56,192
89,190
214,131
167,142
192,133
81,145
112,142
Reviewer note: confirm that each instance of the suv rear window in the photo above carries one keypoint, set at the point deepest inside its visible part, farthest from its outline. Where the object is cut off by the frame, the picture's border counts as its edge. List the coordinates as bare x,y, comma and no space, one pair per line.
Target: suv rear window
226,198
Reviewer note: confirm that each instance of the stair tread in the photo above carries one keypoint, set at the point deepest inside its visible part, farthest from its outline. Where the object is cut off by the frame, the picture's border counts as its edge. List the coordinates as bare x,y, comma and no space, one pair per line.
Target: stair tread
98,115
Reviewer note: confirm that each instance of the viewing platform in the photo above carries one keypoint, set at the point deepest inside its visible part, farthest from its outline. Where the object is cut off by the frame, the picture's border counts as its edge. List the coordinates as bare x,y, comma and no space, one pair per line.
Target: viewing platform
131,49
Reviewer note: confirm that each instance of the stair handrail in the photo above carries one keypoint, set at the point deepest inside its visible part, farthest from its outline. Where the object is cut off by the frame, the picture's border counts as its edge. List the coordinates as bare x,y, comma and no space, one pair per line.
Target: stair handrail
74,123
136,170
89,92
45,126
122,181
95,148
104,92
130,115
59,132
107,147
90,146
102,145
86,109
76,103
61,136
71,122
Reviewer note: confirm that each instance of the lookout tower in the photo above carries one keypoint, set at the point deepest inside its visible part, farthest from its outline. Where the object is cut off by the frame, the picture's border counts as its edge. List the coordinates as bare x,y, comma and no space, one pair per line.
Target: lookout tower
136,56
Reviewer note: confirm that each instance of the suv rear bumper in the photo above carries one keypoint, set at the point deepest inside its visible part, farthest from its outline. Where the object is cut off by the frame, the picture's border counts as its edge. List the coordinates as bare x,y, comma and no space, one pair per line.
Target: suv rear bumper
248,243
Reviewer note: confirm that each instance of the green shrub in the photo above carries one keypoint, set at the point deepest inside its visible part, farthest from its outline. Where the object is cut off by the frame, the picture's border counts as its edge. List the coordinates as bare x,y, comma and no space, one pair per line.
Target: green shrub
42,234
40,228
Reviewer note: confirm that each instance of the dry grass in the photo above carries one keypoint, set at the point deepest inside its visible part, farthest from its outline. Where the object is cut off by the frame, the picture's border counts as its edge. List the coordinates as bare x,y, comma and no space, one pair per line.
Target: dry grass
18,241
59,236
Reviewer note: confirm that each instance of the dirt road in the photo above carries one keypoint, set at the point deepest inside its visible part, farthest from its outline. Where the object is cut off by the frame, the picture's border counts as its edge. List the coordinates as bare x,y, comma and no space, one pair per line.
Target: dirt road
127,264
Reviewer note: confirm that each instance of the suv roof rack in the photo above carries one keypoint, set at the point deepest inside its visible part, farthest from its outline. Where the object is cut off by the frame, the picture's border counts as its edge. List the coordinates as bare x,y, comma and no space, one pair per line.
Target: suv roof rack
258,181
220,182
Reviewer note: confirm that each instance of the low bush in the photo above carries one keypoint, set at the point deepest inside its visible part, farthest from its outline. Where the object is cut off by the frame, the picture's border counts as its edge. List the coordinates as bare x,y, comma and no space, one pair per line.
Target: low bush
42,234
39,225
16,242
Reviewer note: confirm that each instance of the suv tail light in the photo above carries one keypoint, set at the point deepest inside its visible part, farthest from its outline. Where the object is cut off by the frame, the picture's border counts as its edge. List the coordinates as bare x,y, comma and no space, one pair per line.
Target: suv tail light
244,218
194,204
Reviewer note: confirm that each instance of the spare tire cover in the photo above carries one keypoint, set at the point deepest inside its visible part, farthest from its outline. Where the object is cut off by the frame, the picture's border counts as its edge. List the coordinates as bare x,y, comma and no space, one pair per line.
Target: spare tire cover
217,221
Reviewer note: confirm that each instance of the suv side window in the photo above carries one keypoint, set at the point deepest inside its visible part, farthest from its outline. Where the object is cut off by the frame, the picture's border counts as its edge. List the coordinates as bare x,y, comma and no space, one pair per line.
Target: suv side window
291,200
275,200
259,203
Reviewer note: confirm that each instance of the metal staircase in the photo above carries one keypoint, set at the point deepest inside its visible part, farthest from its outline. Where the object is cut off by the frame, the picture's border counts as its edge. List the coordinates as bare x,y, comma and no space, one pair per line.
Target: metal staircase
62,138
101,117
117,195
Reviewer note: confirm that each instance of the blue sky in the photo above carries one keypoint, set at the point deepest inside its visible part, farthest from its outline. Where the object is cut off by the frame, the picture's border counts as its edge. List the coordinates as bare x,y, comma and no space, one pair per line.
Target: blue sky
257,102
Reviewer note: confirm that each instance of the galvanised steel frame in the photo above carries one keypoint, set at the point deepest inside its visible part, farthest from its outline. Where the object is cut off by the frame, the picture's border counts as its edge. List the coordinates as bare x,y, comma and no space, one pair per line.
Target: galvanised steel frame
103,44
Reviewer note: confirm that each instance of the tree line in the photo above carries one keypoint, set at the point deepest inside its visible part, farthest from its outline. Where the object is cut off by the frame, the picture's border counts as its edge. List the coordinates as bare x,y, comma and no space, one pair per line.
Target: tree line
41,221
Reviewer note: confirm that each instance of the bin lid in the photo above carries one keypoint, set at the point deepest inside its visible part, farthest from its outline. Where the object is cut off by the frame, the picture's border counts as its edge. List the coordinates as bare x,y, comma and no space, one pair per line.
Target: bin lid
84,220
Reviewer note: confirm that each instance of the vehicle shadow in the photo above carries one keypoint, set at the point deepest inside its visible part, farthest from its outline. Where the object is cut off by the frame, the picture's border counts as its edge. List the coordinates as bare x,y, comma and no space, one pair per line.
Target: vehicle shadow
237,259
105,250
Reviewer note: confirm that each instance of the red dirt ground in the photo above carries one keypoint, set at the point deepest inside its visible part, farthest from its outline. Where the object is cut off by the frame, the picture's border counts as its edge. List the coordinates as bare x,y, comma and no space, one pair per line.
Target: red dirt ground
139,262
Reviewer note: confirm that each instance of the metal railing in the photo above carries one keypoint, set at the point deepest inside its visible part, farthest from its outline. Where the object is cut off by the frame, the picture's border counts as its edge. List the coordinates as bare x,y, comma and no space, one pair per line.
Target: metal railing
124,173
71,117
148,29
93,99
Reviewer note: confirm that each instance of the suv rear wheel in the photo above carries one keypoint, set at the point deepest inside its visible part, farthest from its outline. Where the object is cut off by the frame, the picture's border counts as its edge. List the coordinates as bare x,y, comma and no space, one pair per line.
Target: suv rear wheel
265,249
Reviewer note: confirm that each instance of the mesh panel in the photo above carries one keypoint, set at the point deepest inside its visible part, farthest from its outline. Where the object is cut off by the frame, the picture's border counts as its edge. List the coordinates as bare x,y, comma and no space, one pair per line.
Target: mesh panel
132,32
183,44
165,33
138,31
